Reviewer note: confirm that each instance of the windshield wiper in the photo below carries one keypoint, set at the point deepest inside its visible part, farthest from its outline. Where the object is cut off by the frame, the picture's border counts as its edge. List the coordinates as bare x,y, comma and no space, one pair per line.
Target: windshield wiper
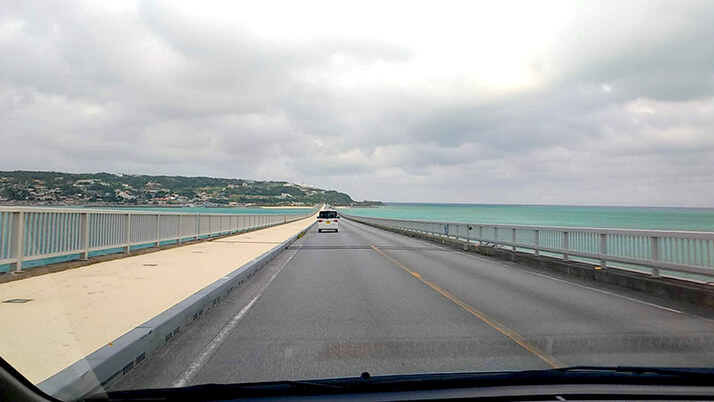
671,371
226,391
411,382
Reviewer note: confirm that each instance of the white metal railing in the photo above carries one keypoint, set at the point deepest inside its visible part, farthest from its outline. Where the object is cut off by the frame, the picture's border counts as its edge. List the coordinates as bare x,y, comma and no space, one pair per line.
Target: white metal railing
678,251
30,234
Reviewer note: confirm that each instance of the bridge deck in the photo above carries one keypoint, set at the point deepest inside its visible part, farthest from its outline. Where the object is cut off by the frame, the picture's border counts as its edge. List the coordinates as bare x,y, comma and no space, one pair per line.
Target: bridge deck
75,312
363,299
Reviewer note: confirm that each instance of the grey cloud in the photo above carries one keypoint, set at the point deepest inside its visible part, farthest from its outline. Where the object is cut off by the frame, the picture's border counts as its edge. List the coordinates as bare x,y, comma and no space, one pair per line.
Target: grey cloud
654,49
623,101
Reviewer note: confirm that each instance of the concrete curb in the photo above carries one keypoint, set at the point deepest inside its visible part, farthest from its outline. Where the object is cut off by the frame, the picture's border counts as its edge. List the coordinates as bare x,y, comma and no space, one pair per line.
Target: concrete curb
112,361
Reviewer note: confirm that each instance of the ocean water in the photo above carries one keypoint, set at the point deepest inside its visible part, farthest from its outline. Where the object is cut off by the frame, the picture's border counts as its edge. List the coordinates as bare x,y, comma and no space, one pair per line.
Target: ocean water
688,219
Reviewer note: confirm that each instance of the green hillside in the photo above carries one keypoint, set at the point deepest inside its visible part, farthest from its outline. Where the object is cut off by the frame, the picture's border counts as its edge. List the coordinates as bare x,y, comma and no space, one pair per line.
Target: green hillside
108,188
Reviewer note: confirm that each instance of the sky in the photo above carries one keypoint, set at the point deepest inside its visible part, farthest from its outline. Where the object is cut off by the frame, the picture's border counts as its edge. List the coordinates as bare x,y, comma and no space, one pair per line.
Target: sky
528,102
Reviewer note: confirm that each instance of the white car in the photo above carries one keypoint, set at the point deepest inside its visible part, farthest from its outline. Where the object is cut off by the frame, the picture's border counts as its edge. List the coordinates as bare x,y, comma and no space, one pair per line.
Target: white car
327,220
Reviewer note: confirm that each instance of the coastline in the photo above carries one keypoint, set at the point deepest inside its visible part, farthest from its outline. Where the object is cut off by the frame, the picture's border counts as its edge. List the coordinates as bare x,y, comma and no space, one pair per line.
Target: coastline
285,207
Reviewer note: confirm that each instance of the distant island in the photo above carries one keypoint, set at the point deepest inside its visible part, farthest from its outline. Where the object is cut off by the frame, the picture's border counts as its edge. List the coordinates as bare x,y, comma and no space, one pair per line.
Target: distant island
97,189
367,203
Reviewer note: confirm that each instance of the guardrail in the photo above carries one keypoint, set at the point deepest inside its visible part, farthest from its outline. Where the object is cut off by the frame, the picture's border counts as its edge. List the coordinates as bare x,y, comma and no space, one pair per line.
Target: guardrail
687,252
30,234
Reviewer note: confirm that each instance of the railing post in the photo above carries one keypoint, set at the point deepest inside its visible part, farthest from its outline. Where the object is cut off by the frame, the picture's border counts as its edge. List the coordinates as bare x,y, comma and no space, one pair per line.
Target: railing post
285,219
84,236
495,236
654,255
513,238
198,227
127,236
566,245
158,230
480,235
178,240
603,249
17,242
209,225
536,242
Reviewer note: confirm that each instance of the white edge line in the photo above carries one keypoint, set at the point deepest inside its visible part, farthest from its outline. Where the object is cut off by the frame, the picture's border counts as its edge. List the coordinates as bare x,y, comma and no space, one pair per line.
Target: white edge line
424,242
671,310
430,244
209,350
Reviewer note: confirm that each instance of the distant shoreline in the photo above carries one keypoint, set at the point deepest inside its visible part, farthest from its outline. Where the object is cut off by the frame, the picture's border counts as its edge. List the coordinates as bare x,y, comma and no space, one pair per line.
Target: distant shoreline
285,207
22,204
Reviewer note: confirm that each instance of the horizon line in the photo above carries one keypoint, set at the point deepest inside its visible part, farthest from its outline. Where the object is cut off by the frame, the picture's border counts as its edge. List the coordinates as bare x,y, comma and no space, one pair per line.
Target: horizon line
548,205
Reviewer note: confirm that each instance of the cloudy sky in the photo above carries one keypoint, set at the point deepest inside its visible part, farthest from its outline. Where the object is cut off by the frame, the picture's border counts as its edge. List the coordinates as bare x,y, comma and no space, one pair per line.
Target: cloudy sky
599,102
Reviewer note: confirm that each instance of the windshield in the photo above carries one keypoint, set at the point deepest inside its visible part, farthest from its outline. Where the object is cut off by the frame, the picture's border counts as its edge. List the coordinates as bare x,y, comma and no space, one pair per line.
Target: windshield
198,192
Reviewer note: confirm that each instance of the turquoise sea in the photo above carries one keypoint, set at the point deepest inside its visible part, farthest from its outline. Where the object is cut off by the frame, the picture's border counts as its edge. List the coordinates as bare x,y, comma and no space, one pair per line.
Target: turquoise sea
664,218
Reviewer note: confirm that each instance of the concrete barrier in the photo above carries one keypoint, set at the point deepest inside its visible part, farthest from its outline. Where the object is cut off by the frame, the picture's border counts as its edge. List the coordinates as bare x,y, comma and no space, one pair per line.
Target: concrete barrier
88,376
701,295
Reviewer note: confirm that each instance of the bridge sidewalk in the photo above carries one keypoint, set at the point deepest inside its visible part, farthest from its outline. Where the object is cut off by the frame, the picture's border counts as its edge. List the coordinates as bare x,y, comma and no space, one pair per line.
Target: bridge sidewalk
72,313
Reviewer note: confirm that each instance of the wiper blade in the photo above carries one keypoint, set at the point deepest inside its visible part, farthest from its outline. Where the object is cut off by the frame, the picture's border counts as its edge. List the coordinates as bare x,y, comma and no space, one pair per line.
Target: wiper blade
674,371
222,391
412,382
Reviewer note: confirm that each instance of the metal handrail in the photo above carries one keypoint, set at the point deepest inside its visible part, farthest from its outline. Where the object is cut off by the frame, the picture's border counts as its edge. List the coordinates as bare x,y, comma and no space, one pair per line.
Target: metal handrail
121,210
678,251
671,233
30,234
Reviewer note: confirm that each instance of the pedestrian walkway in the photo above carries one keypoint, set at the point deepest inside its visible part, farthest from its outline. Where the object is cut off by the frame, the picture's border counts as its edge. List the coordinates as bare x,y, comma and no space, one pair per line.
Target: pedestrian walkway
72,313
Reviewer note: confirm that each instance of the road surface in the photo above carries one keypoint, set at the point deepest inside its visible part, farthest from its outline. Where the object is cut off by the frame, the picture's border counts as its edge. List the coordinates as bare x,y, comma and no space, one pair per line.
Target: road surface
363,299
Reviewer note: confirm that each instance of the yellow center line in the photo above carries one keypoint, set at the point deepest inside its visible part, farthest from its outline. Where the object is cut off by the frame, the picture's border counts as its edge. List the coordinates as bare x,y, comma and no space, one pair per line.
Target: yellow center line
498,326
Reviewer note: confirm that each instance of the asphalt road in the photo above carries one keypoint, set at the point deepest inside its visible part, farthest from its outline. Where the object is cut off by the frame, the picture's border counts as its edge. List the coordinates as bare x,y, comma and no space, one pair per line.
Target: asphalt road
363,299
